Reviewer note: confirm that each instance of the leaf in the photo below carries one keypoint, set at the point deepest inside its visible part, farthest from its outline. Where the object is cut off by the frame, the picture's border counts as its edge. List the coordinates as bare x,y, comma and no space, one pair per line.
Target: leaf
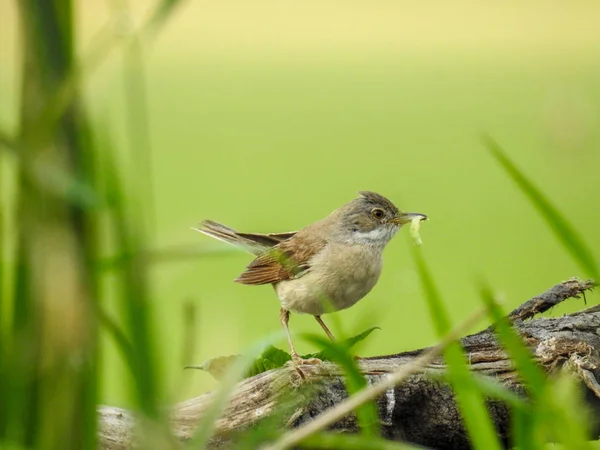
272,358
217,367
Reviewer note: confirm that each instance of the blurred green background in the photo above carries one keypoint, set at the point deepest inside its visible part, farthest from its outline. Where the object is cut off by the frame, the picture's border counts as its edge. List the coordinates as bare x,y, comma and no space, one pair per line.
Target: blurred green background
268,115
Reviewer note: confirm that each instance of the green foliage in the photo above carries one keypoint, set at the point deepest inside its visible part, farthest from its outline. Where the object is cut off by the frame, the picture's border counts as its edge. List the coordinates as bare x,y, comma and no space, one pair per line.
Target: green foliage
271,358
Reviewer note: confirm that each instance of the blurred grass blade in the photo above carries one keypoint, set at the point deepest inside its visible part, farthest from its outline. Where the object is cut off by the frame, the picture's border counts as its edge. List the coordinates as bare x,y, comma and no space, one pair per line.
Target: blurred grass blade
366,414
171,254
493,389
329,441
55,343
532,375
135,292
468,396
563,230
347,343
525,421
7,142
164,9
4,324
119,337
523,431
554,411
570,424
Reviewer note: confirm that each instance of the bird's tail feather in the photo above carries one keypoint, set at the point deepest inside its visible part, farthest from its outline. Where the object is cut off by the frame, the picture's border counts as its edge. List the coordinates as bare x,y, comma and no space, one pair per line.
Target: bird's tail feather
252,242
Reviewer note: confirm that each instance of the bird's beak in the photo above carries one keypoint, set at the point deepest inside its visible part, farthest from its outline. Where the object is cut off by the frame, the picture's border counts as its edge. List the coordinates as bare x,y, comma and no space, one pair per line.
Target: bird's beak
403,218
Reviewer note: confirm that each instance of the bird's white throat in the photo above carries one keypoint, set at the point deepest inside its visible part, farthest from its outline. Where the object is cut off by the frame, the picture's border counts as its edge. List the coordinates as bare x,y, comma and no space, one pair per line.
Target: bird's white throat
377,236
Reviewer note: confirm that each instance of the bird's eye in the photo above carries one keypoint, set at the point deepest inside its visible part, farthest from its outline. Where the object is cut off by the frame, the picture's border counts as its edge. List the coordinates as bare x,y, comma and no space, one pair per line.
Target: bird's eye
377,213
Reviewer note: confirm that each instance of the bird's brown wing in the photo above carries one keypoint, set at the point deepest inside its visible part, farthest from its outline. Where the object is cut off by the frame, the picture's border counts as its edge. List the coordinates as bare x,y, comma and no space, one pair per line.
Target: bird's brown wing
286,260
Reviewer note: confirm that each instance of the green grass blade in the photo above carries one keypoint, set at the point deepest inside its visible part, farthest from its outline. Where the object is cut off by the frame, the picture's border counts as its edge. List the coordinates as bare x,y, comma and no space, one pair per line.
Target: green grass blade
367,416
493,389
525,421
55,244
468,397
564,231
164,9
138,131
119,337
569,424
4,324
351,442
135,295
347,343
7,142
532,375
523,430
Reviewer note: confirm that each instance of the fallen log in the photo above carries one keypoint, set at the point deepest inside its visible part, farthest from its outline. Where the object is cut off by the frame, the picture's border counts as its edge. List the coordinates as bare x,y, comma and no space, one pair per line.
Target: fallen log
421,410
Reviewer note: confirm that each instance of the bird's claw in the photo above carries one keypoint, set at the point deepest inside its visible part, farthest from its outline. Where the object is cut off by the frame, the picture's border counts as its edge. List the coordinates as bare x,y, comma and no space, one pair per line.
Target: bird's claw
297,362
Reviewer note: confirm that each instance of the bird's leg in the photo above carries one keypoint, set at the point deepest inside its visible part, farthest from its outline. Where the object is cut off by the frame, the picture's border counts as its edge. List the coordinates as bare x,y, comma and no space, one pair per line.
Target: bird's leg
327,332
284,315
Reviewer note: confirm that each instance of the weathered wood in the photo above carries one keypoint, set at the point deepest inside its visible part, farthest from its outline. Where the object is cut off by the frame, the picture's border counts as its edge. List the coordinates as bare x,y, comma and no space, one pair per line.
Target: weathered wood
422,409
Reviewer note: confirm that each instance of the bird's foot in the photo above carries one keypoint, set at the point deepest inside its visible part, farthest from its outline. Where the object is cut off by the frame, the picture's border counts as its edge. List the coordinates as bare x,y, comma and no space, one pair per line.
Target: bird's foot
297,362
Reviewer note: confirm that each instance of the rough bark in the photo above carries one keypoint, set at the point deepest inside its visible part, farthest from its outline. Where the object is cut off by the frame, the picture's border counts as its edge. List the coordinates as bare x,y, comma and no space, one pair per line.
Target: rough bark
422,409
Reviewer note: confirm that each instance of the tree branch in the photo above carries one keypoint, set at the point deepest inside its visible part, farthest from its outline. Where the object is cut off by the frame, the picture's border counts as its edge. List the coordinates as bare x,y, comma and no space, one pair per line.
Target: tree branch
421,409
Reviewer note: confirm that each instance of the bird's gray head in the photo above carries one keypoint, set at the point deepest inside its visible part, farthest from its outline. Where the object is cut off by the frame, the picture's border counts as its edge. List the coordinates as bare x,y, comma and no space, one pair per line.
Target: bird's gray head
373,219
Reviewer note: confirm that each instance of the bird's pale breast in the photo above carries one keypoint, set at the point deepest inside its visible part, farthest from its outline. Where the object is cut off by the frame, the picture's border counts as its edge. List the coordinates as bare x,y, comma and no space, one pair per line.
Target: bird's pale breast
339,276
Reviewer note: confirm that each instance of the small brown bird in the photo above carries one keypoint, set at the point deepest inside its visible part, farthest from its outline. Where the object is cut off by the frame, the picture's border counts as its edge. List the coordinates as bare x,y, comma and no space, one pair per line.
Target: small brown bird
325,267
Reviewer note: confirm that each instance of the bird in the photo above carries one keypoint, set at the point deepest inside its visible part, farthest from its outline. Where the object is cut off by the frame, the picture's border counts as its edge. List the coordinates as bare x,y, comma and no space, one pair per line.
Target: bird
324,267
